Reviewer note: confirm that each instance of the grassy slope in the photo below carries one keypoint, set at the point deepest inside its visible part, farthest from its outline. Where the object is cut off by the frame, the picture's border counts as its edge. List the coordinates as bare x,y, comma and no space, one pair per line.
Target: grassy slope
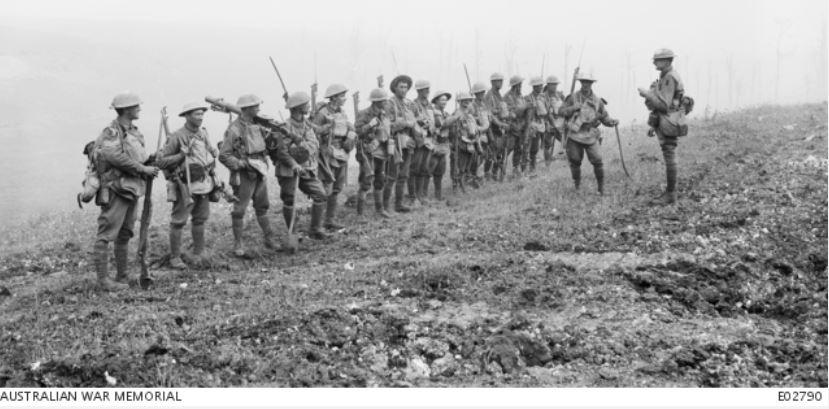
525,284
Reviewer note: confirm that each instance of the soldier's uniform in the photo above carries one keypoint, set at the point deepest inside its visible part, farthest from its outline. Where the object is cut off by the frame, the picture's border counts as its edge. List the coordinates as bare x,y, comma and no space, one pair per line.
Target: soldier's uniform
300,134
374,151
119,154
584,112
404,130
424,143
443,147
499,129
484,120
554,121
516,113
464,134
666,96
336,139
189,147
535,115
244,152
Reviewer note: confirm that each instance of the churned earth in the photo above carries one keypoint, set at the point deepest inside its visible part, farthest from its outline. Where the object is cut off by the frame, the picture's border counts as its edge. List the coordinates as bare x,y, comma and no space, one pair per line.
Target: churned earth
526,283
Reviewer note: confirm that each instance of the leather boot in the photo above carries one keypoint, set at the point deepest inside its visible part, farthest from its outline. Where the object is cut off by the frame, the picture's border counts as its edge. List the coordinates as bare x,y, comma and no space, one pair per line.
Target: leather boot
238,226
387,197
121,274
100,257
599,172
438,181
399,207
361,202
286,215
423,188
198,239
665,198
411,185
575,172
378,204
265,225
316,232
175,249
331,214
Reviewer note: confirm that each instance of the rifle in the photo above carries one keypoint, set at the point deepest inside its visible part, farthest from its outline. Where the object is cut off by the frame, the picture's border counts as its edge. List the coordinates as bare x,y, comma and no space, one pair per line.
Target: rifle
313,88
572,89
145,280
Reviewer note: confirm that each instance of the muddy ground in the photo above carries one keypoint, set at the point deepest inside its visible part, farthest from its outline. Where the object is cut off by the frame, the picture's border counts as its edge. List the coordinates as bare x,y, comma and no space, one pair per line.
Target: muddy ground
520,284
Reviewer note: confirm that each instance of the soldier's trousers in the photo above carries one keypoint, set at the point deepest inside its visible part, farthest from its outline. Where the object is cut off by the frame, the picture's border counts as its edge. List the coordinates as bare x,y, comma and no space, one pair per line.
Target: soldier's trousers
575,155
252,187
550,138
399,173
116,220
437,164
497,149
372,172
308,184
668,145
519,151
466,161
533,145
420,162
198,210
339,171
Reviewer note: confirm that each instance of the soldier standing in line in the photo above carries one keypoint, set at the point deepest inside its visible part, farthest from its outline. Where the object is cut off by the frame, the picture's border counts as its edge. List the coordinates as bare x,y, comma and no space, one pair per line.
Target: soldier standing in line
374,151
424,143
120,157
553,100
536,113
499,126
665,96
517,109
437,162
484,117
337,139
296,157
465,131
244,153
404,129
189,150
584,111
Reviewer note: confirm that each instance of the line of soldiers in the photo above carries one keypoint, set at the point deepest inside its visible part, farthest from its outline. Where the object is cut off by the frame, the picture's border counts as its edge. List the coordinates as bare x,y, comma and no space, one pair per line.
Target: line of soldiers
400,144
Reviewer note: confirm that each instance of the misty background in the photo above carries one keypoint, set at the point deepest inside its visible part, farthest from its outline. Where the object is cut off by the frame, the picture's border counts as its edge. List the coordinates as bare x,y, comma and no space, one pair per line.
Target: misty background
62,62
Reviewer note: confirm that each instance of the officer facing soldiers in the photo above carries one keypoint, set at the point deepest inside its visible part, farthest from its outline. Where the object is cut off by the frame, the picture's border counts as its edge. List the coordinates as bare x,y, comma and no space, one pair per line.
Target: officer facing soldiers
665,97
120,158
516,114
296,157
584,111
244,153
374,151
404,129
499,127
536,114
336,138
419,181
553,99
437,162
188,152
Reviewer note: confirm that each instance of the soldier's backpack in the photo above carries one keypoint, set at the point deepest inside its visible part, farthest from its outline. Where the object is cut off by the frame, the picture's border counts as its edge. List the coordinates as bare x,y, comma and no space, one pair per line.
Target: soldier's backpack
91,182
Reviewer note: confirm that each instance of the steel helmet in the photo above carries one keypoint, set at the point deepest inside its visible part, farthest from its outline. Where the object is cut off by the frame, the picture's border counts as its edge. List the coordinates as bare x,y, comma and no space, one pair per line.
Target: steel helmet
248,100
378,94
421,84
663,54
464,96
335,89
496,76
192,106
536,81
552,79
440,94
125,100
515,80
296,99
478,87
586,76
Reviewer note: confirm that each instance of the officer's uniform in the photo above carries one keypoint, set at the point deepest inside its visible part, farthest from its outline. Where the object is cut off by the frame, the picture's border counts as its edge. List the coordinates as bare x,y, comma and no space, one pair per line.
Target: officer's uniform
584,112
188,146
374,150
244,152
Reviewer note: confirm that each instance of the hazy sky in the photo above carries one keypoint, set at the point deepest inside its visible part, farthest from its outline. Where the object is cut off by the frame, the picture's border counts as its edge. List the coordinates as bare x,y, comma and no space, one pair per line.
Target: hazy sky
62,61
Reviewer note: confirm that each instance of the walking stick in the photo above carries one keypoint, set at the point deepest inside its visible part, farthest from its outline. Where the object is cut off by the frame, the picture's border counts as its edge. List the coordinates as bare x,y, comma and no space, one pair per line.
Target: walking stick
621,156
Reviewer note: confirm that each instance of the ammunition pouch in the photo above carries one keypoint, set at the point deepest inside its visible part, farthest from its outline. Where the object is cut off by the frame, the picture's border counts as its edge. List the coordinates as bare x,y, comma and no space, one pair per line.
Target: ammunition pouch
673,124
